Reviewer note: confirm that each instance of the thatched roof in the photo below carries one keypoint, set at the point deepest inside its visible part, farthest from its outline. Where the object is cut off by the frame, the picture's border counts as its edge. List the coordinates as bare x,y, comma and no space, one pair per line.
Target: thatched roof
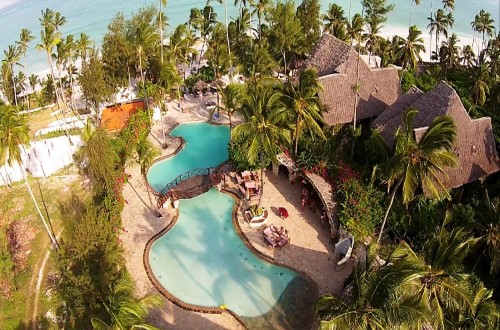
474,145
337,66
200,85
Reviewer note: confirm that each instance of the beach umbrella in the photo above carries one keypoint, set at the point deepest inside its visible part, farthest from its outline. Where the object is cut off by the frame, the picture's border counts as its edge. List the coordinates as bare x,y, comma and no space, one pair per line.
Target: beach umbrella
200,85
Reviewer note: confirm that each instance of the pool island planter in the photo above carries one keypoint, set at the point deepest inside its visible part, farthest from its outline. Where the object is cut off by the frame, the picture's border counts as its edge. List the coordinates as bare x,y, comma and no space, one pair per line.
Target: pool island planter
220,309
256,218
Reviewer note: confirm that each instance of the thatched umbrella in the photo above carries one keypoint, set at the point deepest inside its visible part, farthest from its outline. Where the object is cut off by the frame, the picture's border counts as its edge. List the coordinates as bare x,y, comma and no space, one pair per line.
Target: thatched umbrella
200,85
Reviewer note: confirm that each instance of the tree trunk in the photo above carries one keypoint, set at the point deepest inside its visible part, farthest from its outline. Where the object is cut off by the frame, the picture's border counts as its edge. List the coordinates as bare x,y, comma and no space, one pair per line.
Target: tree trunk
261,192
228,45
161,36
393,194
284,64
47,228
59,104
297,135
13,84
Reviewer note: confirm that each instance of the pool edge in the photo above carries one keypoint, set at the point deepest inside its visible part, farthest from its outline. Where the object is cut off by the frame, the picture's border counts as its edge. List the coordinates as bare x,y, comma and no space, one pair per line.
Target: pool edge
214,310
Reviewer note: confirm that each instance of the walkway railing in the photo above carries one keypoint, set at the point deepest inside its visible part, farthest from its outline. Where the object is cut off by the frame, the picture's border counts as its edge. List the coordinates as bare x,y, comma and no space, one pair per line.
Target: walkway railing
169,192
184,176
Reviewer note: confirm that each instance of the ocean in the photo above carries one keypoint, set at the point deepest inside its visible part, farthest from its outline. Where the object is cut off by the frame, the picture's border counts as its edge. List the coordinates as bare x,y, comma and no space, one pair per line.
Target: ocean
93,16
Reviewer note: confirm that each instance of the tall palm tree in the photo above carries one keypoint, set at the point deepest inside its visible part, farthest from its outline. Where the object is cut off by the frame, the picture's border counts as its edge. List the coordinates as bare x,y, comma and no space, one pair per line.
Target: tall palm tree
263,130
449,52
439,24
449,5
417,163
160,24
355,29
83,46
49,38
260,7
417,2
334,21
24,40
372,38
123,310
301,96
14,135
484,24
12,57
231,97
409,51
143,39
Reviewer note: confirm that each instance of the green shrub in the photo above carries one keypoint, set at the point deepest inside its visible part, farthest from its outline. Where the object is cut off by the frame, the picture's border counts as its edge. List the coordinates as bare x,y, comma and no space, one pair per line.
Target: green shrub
360,210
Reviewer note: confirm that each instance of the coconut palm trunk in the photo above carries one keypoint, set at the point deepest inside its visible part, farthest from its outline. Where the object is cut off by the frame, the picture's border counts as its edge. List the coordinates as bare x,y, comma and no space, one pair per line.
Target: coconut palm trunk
391,201
45,223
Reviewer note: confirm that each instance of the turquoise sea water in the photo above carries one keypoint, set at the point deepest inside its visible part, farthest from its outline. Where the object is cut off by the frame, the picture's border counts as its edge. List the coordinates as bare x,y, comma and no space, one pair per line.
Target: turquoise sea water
206,146
93,16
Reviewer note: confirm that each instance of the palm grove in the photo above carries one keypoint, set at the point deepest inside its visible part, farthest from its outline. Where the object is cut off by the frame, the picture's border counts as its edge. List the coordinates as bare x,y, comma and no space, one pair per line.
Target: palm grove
443,272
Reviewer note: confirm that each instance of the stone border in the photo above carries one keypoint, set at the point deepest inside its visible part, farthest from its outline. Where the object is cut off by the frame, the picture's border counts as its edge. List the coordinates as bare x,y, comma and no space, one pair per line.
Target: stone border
158,286
259,254
213,310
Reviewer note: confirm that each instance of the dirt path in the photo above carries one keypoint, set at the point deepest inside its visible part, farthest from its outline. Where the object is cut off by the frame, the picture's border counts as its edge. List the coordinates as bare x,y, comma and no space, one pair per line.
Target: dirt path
32,317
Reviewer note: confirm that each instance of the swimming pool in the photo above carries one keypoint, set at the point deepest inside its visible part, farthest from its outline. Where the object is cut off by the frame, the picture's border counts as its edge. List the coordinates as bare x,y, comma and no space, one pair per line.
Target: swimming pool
205,146
202,260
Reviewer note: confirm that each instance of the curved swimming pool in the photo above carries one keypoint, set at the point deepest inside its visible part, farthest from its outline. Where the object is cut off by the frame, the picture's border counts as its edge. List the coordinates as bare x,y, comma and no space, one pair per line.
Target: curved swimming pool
202,260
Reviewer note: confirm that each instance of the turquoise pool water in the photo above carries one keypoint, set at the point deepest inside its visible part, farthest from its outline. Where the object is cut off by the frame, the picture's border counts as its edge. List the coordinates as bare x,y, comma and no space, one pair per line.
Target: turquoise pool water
202,261
206,146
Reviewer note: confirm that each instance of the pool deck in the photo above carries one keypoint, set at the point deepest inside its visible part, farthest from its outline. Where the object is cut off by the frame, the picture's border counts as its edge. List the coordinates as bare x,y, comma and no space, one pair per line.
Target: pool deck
309,251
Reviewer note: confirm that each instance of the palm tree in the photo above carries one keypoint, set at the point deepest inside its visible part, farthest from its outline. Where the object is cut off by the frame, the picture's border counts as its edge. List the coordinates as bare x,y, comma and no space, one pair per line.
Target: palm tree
334,21
439,24
262,132
417,163
372,37
483,313
12,57
231,97
260,7
409,51
374,301
33,81
123,310
435,276
417,2
144,154
303,101
355,29
449,4
160,24
142,40
449,52
14,135
24,40
468,56
49,38
480,89
484,24
82,46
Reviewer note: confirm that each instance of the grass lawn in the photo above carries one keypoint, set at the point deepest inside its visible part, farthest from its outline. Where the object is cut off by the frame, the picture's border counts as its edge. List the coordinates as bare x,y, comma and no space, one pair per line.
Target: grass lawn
40,119
17,205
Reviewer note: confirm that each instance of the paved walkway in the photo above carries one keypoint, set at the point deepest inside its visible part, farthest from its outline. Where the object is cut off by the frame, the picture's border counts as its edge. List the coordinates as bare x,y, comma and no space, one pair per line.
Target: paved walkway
309,251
